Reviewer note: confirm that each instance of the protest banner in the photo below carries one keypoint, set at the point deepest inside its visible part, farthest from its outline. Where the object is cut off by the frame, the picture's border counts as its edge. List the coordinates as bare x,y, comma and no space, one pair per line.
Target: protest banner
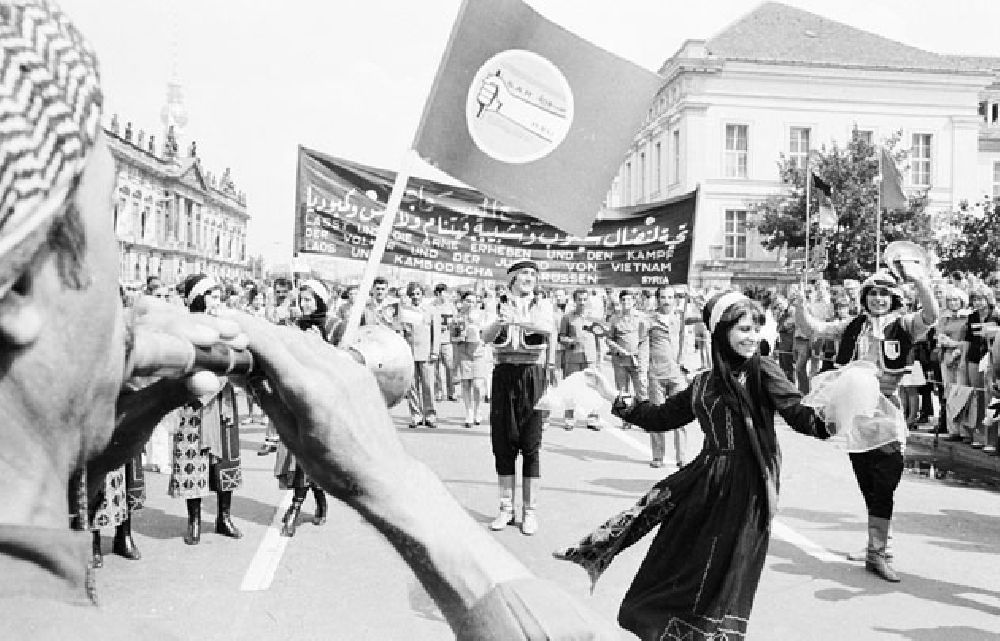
459,231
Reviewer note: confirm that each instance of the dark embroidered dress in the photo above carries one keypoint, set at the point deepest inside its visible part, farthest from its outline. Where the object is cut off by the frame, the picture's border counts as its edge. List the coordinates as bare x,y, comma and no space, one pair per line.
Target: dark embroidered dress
700,575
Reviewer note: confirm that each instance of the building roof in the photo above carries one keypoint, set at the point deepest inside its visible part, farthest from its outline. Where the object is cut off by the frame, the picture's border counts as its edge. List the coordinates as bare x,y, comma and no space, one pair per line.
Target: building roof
774,32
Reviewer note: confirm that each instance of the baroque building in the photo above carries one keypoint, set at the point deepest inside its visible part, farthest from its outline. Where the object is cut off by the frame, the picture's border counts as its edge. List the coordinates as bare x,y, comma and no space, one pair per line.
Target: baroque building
781,81
172,218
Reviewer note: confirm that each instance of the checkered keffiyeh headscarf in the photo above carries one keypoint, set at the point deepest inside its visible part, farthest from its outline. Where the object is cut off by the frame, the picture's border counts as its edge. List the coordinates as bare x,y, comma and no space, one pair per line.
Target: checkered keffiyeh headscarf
50,111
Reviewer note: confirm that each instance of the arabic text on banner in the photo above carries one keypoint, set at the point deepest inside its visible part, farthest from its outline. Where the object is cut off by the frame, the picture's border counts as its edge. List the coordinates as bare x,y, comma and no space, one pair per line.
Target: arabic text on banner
459,231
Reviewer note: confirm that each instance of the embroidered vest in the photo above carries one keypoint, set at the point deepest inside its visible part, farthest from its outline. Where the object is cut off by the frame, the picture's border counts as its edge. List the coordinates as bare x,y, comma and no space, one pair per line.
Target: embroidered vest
894,349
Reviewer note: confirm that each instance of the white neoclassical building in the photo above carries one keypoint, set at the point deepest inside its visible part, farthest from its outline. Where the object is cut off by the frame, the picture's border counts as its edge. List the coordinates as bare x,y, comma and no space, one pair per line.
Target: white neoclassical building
781,80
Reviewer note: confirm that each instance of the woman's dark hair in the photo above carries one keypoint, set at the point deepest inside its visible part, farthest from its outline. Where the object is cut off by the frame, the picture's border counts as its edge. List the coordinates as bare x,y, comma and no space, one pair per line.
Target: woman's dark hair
321,307
727,365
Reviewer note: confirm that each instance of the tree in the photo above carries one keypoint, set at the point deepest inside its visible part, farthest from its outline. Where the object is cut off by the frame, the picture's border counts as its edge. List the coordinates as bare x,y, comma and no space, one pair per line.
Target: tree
851,172
972,243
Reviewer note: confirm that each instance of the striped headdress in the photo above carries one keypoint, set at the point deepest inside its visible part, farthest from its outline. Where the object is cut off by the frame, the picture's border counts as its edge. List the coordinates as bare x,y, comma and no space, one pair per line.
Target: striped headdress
50,110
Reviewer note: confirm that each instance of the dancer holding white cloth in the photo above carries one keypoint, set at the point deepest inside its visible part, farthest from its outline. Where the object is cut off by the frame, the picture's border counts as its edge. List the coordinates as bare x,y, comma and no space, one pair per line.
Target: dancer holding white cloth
881,334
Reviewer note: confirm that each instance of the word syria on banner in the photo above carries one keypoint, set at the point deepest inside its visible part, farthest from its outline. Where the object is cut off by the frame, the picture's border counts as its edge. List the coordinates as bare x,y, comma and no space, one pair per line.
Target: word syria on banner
531,114
459,231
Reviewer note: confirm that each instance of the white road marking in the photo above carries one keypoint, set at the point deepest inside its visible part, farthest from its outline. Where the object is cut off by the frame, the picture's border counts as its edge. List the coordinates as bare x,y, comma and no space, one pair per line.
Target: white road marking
265,561
778,528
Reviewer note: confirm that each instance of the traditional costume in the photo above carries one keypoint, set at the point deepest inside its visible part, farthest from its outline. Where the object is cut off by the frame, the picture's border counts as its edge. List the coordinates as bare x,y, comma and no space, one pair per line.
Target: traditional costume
519,381
206,447
700,575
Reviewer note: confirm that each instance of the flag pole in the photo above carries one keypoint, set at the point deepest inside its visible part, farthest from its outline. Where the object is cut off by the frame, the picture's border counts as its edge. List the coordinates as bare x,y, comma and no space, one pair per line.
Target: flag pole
805,269
878,213
378,248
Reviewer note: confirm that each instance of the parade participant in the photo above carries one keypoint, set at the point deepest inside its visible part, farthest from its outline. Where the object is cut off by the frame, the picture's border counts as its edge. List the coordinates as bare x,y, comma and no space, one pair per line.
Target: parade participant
951,347
289,472
313,298
421,329
980,329
206,455
520,335
444,370
882,334
581,348
801,343
665,375
628,336
122,493
700,575
380,308
471,364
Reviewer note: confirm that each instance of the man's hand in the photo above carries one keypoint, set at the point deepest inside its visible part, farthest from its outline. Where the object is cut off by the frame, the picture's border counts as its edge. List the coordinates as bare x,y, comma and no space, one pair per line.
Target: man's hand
327,408
911,270
141,407
600,384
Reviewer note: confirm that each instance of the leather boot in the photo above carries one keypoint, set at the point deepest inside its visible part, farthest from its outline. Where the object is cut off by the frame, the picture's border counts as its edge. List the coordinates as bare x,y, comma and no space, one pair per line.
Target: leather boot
877,561
505,516
319,516
224,521
123,544
194,522
529,524
290,521
98,557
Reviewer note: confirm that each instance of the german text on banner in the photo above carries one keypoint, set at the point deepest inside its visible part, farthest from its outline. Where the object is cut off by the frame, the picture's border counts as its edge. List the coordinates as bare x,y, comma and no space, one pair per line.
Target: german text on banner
531,114
462,232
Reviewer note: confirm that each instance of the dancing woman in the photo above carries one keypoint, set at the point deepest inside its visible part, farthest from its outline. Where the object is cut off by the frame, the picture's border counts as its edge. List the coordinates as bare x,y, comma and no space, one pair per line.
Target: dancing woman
700,574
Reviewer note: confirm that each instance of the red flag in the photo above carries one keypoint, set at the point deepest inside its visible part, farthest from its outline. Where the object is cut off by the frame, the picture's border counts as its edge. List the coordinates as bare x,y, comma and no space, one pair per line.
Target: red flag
531,114
891,187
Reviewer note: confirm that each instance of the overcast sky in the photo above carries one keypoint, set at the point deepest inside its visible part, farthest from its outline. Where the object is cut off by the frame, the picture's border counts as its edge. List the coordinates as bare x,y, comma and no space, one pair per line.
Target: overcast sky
349,77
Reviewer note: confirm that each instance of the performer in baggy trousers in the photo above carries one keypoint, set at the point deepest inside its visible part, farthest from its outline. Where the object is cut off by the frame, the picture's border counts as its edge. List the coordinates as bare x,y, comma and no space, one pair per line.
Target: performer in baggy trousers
521,336
881,334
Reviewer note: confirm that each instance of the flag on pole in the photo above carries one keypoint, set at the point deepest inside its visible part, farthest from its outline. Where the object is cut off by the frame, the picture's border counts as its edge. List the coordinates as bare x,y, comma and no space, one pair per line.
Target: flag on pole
827,214
531,114
891,186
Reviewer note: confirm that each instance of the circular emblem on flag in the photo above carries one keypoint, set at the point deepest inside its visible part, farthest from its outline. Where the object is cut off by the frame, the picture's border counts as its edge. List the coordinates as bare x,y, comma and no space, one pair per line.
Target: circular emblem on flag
519,107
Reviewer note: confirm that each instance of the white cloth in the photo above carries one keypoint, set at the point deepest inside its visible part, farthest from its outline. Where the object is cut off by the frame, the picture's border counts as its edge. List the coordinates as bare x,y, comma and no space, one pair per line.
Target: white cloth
573,393
850,399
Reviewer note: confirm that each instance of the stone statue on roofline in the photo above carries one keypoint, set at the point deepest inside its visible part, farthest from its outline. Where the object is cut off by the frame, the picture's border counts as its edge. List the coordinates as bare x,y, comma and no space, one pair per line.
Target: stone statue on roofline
114,124
170,147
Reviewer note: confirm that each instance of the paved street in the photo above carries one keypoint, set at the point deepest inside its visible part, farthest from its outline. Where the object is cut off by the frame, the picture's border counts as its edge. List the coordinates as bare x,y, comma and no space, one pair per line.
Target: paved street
340,581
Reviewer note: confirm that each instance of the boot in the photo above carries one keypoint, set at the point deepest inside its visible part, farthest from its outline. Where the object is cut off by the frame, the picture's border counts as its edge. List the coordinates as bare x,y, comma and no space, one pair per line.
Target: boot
505,516
878,538
319,516
123,544
98,558
862,554
529,524
194,522
224,521
290,521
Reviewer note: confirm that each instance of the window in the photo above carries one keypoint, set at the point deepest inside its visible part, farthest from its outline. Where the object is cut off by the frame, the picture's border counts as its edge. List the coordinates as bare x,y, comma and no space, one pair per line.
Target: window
996,180
864,135
642,176
920,160
676,176
736,151
628,184
658,165
798,147
736,233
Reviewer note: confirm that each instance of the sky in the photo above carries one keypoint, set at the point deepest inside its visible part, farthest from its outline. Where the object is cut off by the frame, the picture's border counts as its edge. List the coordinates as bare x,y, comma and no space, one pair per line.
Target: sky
350,77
